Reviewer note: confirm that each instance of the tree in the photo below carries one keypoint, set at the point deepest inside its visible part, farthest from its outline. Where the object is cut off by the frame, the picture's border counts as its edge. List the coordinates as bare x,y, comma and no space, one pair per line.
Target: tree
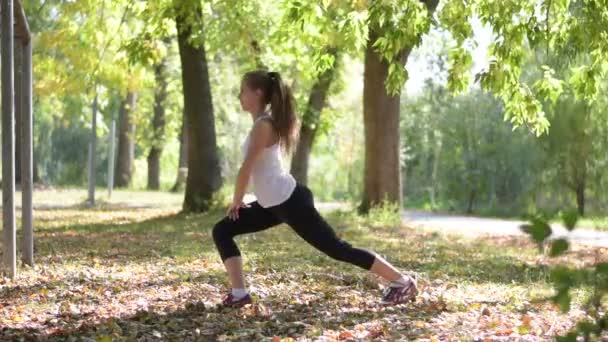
392,28
126,141
381,105
79,56
158,123
311,119
204,174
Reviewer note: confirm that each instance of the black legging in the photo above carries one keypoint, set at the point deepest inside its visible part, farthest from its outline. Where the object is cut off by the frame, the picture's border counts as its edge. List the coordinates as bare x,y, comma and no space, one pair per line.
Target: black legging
299,212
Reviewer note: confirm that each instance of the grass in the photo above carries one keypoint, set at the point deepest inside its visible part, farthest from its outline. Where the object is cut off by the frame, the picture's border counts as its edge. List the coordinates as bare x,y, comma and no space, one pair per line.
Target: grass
120,272
594,222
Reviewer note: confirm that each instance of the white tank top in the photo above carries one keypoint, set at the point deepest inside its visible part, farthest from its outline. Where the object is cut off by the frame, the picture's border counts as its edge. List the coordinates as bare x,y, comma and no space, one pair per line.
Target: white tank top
272,184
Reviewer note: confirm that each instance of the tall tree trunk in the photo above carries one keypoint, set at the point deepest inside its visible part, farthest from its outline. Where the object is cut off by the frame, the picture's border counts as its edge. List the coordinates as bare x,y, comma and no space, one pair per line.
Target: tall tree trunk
581,152
471,201
435,169
36,176
158,125
182,167
382,174
204,174
310,121
580,198
126,144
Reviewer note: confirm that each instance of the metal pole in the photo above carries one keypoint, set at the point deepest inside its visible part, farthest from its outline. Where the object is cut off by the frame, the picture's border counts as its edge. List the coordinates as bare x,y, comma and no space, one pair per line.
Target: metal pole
111,158
27,172
8,138
93,148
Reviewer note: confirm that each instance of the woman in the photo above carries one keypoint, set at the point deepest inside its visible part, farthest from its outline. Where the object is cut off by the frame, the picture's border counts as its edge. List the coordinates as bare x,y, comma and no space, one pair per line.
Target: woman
280,199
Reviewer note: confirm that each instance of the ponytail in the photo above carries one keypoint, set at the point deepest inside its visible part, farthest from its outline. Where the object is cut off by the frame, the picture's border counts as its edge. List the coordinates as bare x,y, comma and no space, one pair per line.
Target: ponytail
282,105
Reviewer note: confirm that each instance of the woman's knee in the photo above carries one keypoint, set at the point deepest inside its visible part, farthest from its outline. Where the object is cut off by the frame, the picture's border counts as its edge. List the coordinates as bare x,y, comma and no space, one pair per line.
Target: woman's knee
341,250
220,231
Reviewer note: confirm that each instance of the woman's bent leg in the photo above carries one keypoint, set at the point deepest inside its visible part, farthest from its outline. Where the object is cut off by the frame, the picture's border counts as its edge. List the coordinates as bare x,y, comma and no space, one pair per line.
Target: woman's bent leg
252,219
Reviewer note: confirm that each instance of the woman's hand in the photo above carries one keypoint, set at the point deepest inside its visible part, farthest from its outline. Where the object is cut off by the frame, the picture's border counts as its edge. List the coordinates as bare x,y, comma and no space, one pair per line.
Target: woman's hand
233,209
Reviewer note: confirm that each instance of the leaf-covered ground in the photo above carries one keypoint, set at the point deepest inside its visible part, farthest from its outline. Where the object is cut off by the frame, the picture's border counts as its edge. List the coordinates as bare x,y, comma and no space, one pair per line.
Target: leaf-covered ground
113,274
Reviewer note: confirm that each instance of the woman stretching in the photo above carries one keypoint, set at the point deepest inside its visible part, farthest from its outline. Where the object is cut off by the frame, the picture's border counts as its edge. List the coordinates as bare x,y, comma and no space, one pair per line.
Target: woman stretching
280,199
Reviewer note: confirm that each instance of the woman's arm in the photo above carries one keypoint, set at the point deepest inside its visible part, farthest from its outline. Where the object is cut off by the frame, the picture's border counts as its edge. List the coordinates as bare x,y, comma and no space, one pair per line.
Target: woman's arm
261,135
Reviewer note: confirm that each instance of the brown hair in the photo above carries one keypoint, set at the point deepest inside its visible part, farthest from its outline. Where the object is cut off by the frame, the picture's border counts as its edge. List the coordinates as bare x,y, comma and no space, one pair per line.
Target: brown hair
282,104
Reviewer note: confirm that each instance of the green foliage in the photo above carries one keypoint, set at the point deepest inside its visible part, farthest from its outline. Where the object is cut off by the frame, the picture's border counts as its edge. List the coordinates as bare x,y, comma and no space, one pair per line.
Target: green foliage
385,214
558,247
548,86
568,28
538,229
459,152
461,156
569,218
565,280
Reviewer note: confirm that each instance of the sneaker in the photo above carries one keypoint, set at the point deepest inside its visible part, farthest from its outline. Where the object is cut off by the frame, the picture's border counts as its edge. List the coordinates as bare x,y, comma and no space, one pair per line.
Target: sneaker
231,301
397,295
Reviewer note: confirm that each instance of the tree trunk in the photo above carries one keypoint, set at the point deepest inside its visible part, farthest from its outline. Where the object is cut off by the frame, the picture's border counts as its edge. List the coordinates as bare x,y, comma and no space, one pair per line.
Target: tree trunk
311,118
36,176
580,198
435,170
182,168
382,174
158,125
471,201
204,174
126,145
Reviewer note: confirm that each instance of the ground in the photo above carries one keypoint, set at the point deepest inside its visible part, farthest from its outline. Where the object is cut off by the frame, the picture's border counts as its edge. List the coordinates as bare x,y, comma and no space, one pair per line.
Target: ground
128,272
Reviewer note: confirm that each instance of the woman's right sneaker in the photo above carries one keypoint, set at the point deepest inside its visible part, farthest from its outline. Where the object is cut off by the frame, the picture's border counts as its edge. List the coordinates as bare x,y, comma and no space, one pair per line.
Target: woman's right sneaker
400,294
233,302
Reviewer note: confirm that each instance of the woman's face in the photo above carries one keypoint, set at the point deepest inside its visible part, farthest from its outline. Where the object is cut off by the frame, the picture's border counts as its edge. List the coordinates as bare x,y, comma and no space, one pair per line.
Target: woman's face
251,99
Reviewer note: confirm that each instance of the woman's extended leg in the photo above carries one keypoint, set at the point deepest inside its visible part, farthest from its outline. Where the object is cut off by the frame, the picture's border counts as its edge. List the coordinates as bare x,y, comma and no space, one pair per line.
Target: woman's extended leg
300,214
252,219
385,270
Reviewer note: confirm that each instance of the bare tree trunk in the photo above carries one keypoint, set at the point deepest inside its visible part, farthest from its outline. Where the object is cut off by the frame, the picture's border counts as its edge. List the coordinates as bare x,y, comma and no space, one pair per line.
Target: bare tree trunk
36,171
382,174
204,174
471,201
126,144
182,168
580,198
311,118
158,125
435,170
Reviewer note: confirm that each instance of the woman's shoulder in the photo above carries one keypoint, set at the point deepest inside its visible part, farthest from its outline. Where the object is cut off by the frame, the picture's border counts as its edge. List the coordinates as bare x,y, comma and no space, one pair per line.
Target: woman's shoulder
262,125
265,120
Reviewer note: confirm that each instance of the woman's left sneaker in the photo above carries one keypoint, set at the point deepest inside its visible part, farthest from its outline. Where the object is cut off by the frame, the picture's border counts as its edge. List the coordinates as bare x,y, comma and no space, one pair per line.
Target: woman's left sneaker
231,301
402,294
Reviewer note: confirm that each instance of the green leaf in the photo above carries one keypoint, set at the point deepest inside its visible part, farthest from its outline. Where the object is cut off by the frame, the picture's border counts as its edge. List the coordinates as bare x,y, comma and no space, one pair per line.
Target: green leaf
571,337
562,277
602,268
570,218
538,229
558,247
562,299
